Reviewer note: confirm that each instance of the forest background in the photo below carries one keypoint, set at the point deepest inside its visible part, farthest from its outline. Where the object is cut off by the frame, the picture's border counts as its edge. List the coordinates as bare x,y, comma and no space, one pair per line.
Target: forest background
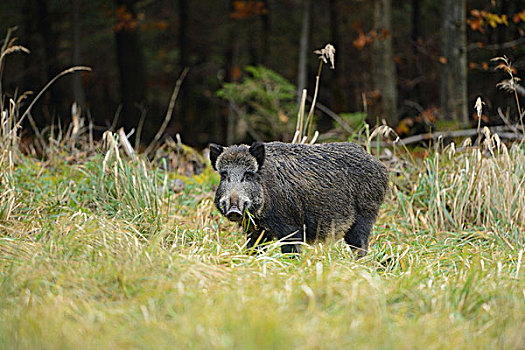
417,65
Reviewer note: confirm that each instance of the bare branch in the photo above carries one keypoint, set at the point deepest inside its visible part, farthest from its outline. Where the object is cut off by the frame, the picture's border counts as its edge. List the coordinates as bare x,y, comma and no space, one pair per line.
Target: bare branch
169,113
502,131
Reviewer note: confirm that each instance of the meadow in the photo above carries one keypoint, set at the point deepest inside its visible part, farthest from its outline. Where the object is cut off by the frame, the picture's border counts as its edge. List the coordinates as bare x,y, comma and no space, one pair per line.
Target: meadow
102,246
99,249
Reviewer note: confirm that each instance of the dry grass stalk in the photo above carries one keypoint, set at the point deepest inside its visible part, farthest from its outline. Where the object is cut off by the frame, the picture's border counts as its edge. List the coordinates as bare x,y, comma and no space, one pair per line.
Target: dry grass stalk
44,89
13,49
300,117
126,145
511,84
169,112
303,130
479,110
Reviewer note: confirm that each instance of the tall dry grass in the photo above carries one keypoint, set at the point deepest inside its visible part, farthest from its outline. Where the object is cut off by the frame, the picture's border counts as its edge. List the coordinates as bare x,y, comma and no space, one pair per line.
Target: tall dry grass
471,187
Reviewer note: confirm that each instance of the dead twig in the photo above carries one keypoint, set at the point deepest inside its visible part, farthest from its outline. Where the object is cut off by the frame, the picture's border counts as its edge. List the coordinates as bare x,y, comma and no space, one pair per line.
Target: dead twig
44,89
507,45
169,113
502,131
506,120
327,54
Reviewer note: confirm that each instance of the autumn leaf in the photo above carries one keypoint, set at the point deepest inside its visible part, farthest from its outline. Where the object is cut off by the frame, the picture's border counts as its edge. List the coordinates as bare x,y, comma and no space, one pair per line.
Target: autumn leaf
236,73
519,16
245,9
482,18
476,24
361,41
125,20
403,127
160,25
483,117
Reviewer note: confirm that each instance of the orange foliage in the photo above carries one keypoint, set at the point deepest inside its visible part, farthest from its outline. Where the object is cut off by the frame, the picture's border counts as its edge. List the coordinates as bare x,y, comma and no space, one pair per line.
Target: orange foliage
427,117
520,16
236,73
125,20
483,117
371,97
482,19
362,40
160,25
246,9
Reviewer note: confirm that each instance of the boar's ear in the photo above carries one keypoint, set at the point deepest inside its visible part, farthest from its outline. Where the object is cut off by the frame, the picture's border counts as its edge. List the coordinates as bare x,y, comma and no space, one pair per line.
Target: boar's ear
257,150
215,151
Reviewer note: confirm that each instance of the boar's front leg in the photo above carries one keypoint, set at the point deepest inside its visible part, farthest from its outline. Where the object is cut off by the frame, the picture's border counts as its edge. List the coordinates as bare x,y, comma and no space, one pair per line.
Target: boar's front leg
254,236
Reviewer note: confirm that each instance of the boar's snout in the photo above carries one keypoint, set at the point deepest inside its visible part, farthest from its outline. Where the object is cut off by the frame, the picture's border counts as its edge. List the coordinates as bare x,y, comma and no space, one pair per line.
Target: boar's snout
234,214
234,206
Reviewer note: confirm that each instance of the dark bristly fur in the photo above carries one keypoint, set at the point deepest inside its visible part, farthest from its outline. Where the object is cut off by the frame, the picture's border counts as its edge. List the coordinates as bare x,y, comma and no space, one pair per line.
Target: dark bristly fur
299,192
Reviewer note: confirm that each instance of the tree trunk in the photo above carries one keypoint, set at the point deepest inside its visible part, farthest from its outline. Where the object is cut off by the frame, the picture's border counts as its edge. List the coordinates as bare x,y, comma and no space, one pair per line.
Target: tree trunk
502,30
266,30
337,87
231,70
453,72
130,60
252,44
303,50
33,64
50,40
415,33
384,66
78,91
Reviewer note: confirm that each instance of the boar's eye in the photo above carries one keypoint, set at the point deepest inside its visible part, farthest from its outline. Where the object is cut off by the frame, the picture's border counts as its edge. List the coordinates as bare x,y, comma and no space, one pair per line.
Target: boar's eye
248,176
224,176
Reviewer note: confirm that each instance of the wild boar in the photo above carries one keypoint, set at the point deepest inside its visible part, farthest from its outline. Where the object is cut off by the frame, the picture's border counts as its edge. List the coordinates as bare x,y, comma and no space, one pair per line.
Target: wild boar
301,193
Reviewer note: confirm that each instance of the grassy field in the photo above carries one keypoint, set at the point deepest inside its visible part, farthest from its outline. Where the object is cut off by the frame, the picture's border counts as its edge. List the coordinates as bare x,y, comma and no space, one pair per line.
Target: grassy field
96,252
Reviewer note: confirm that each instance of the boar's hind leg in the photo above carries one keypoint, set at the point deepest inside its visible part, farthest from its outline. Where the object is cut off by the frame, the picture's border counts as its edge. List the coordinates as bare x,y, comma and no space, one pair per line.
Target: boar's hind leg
288,246
357,236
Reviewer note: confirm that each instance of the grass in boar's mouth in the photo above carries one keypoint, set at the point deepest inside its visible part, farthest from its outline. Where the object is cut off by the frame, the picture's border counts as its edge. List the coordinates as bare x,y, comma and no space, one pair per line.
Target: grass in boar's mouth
247,221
